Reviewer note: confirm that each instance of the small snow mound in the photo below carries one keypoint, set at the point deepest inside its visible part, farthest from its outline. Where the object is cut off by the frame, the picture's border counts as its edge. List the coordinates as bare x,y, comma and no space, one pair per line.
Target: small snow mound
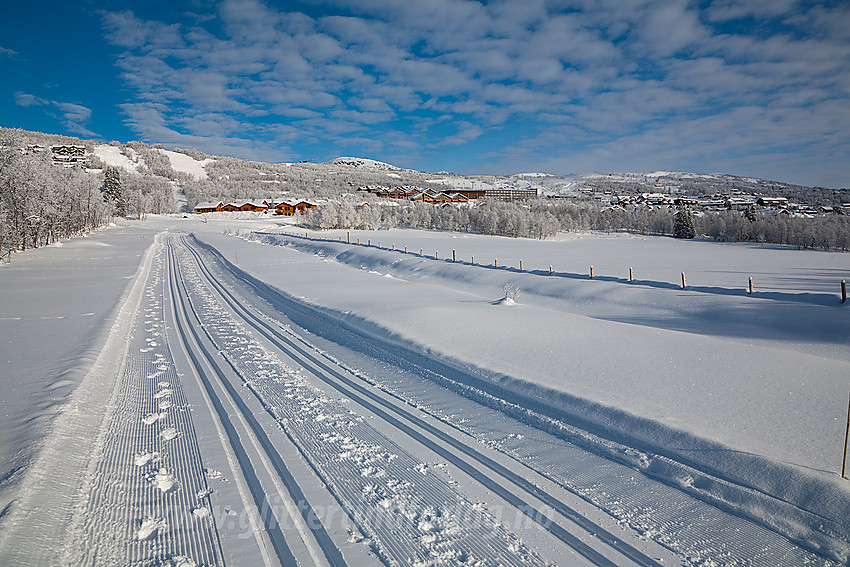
507,301
201,512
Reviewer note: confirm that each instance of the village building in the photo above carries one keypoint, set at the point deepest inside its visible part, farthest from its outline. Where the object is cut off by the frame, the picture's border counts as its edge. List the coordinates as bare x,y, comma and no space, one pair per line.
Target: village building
772,202
68,155
289,208
208,207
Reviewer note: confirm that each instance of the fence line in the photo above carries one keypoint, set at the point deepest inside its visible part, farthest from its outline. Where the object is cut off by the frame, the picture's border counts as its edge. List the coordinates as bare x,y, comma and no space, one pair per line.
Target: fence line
684,284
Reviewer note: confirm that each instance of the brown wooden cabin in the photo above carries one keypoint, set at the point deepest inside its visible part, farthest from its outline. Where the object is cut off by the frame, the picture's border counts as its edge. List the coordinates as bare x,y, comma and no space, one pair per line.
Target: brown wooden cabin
284,208
303,206
208,207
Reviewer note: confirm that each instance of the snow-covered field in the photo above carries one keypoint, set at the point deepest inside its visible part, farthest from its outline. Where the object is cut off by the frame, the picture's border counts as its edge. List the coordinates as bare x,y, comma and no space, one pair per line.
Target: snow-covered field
399,408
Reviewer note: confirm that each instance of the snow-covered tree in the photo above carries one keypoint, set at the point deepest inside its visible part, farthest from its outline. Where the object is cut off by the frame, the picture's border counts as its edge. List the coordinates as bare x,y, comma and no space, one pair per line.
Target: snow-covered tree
684,225
113,191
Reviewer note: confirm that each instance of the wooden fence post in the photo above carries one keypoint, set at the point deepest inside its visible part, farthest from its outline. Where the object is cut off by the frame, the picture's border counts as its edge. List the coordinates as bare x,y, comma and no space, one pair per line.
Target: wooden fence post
437,255
495,262
843,291
591,272
369,242
420,252
393,247
750,286
846,434
631,274
520,265
550,270
684,284
453,255
405,249
358,241
348,237
473,260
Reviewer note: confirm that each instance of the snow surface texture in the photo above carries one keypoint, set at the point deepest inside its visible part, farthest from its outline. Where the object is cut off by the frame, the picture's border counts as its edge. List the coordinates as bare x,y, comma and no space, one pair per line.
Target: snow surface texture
763,377
56,309
425,519
598,387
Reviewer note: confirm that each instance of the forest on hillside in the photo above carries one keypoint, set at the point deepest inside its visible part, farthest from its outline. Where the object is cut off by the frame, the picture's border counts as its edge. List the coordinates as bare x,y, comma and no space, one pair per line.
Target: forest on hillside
41,202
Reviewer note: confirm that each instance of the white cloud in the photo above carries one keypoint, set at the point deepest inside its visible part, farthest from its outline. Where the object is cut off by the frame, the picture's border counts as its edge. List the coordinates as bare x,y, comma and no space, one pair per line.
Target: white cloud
74,117
611,74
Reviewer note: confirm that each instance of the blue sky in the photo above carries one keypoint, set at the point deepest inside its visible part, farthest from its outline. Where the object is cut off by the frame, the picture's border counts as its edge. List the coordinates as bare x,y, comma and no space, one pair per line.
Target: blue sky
757,88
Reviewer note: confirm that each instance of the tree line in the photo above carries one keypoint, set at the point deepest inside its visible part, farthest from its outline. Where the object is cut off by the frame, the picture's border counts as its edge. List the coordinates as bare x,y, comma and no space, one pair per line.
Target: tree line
543,218
41,203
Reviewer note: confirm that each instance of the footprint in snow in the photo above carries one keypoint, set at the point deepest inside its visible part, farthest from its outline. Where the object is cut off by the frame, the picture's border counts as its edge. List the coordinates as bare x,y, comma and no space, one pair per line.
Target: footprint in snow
169,433
165,481
149,528
152,418
144,458
162,393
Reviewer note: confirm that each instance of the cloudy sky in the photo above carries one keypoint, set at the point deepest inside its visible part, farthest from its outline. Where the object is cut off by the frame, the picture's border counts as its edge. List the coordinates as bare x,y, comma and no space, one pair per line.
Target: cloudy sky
750,87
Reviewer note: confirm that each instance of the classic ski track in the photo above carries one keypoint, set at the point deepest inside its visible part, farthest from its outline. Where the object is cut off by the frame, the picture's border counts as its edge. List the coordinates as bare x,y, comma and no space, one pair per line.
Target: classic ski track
749,543
224,433
444,445
322,549
482,538
138,507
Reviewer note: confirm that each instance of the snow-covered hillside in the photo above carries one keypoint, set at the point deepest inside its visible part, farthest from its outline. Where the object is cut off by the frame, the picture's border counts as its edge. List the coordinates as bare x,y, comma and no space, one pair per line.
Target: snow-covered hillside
111,155
365,163
187,164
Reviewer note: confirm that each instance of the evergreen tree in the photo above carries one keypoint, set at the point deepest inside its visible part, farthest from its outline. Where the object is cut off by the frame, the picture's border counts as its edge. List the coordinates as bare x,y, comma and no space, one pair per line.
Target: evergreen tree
684,225
113,191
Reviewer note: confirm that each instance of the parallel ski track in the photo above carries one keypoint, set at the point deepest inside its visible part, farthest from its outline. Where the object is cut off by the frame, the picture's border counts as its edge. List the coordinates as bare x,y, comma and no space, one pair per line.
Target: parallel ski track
461,455
394,502
186,328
